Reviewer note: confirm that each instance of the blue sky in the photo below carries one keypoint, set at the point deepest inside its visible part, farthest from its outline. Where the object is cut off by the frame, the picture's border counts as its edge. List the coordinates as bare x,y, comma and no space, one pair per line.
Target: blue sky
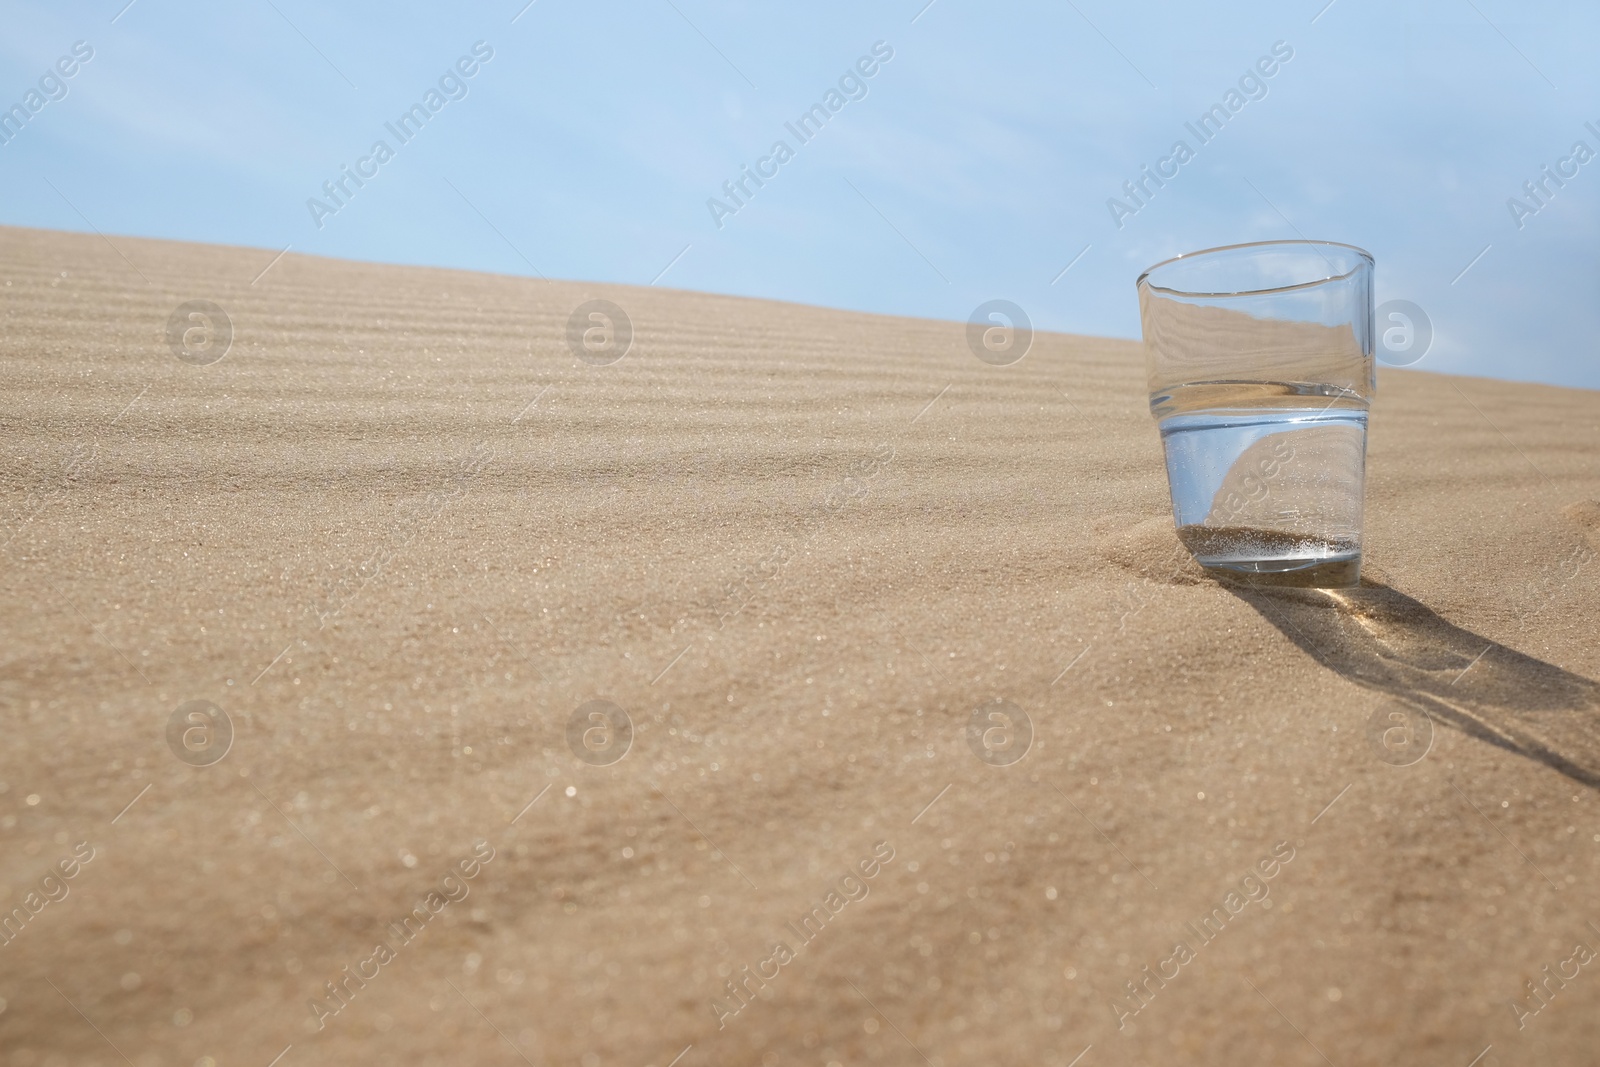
977,165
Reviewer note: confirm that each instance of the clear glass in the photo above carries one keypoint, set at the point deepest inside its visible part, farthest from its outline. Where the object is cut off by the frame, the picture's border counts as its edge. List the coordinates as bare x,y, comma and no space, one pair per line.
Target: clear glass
1261,370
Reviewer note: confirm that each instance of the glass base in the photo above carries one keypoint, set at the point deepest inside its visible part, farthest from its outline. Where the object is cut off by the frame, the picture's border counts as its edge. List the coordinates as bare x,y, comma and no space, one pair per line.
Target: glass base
1258,557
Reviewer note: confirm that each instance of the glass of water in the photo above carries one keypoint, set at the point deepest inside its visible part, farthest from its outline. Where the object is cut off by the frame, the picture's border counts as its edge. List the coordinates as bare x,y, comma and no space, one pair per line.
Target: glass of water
1261,369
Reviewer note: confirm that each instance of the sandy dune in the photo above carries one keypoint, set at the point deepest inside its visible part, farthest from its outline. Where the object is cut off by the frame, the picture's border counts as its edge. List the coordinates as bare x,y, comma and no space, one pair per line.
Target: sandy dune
399,534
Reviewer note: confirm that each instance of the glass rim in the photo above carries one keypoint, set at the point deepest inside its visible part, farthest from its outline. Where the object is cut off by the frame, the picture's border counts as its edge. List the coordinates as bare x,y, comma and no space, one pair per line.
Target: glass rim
1143,279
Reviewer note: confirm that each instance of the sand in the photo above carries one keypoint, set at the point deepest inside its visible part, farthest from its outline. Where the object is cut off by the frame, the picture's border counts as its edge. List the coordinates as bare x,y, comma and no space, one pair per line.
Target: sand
399,535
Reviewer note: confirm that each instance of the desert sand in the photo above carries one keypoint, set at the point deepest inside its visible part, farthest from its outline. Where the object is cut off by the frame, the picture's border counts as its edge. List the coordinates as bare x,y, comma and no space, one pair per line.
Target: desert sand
399,534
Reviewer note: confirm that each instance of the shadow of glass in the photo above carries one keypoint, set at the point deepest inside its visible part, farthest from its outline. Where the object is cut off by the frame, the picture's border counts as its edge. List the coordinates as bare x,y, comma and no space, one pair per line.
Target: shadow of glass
1385,641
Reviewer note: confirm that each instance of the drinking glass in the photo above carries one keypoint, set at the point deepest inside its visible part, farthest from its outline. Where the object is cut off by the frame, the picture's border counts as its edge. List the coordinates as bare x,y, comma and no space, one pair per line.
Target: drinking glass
1260,359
